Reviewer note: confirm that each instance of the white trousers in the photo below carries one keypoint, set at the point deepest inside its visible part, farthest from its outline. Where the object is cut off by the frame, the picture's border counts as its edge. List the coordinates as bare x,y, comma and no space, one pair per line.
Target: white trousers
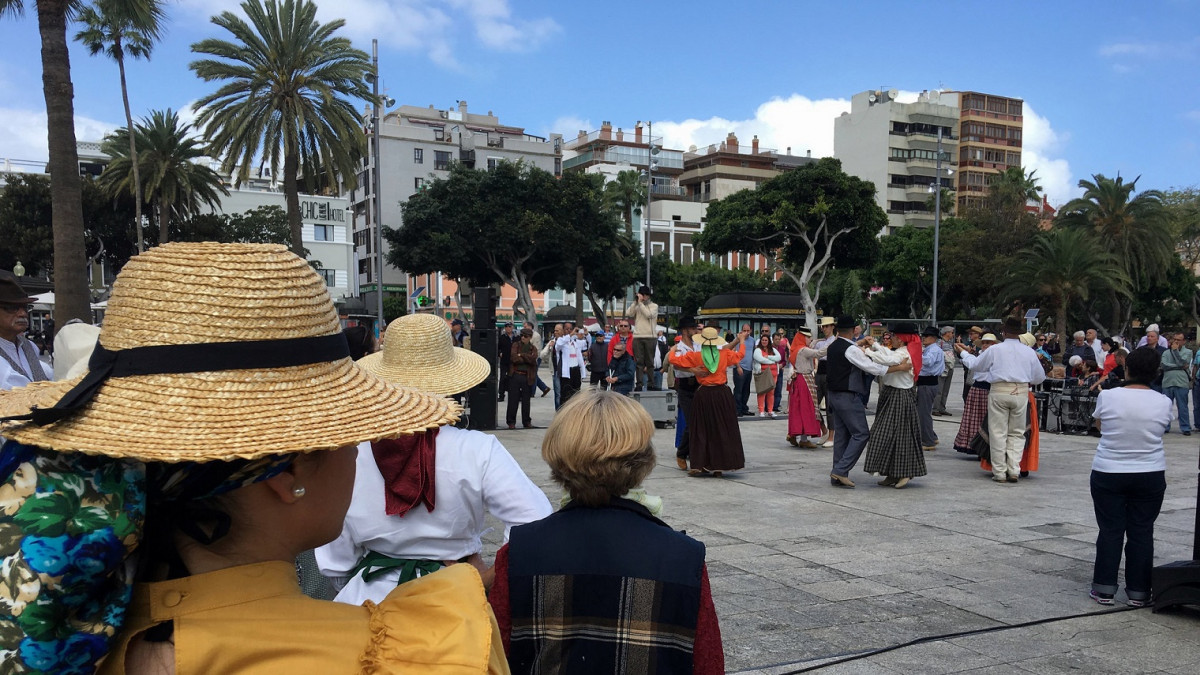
1007,404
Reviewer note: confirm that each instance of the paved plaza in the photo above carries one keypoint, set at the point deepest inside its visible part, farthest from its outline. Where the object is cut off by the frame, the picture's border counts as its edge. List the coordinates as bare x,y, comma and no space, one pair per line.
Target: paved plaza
804,573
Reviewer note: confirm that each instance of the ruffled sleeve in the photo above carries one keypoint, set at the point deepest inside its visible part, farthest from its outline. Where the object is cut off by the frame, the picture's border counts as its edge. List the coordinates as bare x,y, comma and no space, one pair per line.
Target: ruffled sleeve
440,624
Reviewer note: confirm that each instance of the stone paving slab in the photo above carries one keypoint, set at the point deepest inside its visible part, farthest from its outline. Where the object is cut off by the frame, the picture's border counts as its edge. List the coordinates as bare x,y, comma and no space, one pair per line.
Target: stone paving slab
803,573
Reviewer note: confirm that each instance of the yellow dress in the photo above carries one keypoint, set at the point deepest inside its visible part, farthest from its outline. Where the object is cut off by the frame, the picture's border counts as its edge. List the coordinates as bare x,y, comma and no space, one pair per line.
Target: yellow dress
254,619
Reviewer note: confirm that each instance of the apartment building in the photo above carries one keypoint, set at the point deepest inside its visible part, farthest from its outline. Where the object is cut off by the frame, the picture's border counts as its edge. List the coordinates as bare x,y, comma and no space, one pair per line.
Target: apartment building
417,145
989,130
895,146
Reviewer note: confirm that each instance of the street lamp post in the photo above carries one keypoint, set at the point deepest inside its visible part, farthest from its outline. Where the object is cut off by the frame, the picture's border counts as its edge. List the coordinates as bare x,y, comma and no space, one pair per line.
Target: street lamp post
651,150
377,202
937,226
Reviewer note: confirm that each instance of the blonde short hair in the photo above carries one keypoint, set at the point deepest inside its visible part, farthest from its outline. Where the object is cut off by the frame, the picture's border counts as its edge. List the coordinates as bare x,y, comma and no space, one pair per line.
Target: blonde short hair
598,446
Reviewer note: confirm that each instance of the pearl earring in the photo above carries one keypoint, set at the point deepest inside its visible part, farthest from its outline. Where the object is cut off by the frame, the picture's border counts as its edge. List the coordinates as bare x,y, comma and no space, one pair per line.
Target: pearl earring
298,492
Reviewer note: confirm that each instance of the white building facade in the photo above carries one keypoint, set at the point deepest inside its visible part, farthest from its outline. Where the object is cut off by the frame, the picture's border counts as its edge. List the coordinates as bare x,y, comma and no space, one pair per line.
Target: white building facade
894,145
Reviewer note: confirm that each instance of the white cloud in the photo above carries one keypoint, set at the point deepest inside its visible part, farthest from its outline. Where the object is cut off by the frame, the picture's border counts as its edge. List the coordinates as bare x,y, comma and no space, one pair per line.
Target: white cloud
804,124
23,133
1123,53
569,126
1193,115
797,122
1040,151
424,26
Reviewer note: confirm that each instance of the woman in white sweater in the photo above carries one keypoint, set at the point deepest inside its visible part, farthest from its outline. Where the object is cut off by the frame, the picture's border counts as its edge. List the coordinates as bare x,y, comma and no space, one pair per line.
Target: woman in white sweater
1129,479
894,449
766,358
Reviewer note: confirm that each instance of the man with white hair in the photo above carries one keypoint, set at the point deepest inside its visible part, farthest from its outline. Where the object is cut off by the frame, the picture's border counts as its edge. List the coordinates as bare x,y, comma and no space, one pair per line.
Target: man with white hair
1153,333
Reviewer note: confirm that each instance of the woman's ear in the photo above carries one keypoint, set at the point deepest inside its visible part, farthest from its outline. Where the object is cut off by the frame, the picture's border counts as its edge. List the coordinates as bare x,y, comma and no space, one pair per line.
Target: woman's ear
288,485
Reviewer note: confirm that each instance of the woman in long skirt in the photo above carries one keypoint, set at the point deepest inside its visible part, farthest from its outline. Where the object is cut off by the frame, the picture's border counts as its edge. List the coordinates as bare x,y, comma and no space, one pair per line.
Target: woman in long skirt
975,407
715,442
804,418
894,449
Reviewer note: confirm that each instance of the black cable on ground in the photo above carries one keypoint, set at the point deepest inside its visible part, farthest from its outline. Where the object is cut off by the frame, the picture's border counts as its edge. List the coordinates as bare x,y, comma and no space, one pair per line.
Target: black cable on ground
949,636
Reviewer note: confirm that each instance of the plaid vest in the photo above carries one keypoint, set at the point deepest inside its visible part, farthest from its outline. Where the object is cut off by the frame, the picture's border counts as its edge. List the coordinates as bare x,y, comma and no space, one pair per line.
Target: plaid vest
603,590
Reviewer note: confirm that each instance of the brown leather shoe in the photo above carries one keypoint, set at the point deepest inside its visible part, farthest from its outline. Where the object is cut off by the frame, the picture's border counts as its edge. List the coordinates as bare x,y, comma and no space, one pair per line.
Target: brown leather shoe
840,481
681,463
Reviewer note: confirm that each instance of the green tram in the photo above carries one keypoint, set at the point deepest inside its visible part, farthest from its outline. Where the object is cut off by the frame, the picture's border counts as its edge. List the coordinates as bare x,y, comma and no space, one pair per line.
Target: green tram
775,310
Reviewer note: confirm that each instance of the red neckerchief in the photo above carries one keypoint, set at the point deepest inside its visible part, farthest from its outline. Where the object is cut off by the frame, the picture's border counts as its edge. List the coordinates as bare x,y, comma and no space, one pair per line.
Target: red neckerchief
407,464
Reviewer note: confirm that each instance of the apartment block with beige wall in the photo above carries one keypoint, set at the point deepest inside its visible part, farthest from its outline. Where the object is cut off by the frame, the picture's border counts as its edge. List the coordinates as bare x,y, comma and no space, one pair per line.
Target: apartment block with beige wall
990,131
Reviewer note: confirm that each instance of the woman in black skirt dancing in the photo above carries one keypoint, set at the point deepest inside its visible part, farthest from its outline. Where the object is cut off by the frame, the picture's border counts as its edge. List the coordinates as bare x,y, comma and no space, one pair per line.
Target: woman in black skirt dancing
714,440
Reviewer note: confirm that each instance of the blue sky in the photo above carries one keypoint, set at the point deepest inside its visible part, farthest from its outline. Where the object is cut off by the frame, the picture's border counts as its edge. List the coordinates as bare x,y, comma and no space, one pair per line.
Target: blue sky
1110,87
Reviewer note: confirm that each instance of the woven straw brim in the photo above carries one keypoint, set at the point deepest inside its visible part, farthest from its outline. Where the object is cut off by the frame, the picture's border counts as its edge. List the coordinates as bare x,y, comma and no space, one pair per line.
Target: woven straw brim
228,414
701,342
464,371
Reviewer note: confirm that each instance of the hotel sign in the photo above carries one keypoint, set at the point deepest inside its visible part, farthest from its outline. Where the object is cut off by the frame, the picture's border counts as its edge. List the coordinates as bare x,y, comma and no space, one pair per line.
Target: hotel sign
311,209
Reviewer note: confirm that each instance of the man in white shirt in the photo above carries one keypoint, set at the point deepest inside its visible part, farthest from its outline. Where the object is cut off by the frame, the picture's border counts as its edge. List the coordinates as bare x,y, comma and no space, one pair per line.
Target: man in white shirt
1093,340
391,533
1011,367
19,363
570,349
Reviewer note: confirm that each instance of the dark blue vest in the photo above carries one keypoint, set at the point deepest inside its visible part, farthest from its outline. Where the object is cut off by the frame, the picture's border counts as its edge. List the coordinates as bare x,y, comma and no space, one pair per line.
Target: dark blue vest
609,590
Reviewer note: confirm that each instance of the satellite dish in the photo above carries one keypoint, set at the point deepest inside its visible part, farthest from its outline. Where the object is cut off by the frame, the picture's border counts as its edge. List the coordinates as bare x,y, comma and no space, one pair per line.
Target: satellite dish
872,98
892,94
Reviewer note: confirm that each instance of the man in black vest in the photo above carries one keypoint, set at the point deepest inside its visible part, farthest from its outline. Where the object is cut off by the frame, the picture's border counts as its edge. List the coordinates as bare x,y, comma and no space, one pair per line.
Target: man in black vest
846,382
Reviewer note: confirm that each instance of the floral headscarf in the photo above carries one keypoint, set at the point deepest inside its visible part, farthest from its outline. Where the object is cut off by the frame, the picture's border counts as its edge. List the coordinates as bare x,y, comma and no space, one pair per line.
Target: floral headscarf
70,525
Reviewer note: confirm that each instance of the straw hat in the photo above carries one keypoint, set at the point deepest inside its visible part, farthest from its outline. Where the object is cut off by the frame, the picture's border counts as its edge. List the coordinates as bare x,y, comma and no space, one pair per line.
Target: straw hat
175,304
1028,339
419,353
72,347
709,337
988,337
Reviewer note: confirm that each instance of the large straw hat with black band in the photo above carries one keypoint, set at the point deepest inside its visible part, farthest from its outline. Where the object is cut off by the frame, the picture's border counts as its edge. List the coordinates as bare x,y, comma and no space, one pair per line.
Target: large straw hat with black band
418,352
709,337
215,352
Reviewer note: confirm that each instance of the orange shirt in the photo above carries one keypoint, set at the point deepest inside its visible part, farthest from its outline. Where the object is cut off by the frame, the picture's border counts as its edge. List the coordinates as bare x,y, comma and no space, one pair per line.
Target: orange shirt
729,357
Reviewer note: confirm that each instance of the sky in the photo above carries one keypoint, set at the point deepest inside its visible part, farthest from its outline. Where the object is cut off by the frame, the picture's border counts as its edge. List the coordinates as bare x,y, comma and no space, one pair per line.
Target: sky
1109,87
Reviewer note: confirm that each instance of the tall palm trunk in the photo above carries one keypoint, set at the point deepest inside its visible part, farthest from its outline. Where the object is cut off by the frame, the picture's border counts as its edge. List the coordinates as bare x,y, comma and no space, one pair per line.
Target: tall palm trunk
70,286
291,191
164,216
133,157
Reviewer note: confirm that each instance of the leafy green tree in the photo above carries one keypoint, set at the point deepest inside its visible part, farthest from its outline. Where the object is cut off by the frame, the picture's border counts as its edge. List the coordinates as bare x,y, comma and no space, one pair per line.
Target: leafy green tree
72,298
260,225
1135,229
394,308
26,224
288,85
173,182
110,27
109,226
803,222
1064,267
690,286
502,225
627,195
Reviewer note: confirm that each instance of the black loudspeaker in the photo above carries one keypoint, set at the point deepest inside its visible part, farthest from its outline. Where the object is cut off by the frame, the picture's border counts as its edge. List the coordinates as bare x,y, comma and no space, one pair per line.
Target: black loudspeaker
1178,583
481,399
483,306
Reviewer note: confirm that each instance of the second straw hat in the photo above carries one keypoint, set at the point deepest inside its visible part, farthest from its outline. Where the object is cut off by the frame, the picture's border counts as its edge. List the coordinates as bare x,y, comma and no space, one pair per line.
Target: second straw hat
418,352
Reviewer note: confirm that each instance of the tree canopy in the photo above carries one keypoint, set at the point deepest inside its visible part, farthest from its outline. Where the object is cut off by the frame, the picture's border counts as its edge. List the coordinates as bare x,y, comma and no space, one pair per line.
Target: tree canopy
803,221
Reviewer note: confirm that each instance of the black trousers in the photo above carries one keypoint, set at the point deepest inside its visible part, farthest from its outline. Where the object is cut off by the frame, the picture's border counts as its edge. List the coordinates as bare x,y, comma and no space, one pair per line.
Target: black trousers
598,379
569,386
686,387
519,391
1126,504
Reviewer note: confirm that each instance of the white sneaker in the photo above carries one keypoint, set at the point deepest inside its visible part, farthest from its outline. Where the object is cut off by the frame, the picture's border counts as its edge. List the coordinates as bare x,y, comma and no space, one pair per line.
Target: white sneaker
762,414
770,414
827,444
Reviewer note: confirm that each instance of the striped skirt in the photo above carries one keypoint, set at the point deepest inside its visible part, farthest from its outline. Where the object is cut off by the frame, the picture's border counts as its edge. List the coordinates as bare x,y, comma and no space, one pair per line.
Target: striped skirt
894,449
804,419
973,412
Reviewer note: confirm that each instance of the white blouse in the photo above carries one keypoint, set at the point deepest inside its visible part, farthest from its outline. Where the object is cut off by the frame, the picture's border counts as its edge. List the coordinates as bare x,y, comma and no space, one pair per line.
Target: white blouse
901,379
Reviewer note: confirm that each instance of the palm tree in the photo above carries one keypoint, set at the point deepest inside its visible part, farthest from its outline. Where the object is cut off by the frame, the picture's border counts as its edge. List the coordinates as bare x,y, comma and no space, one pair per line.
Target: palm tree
171,179
627,193
70,285
1135,229
111,28
1063,267
287,84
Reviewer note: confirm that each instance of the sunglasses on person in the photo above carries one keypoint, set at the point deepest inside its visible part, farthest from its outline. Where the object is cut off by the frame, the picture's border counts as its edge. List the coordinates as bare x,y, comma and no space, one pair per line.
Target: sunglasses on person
624,325
13,309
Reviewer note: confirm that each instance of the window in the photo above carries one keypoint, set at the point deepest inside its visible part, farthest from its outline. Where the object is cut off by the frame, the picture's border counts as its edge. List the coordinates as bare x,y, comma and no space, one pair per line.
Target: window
439,134
364,266
418,155
441,160
418,184
330,277
322,233
493,162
